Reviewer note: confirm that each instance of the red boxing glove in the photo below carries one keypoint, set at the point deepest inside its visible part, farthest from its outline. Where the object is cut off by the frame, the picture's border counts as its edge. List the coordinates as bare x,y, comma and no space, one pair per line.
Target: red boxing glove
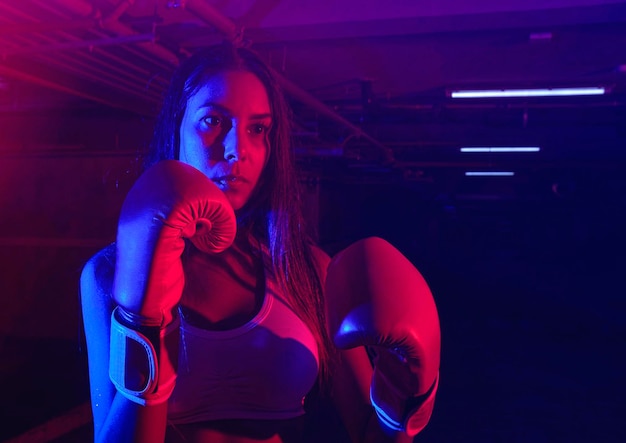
169,202
377,298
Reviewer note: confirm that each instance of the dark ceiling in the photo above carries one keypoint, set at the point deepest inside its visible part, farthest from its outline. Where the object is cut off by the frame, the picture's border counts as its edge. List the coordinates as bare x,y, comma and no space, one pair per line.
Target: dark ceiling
369,86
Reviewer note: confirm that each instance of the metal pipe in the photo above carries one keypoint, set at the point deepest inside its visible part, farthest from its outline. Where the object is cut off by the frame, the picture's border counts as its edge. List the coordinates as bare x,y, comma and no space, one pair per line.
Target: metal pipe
89,64
211,16
115,82
97,30
119,10
75,7
84,9
303,96
231,31
85,67
70,65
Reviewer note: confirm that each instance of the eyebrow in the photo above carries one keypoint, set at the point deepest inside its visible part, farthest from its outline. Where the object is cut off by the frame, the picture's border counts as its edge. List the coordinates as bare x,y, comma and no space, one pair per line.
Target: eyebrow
228,111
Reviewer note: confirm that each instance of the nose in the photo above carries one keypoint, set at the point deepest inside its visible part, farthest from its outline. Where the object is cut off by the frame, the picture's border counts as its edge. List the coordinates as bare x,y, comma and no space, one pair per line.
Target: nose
235,144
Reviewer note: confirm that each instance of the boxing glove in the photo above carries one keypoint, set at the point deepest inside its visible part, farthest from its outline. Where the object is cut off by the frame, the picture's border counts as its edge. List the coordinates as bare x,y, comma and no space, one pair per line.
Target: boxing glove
170,202
378,299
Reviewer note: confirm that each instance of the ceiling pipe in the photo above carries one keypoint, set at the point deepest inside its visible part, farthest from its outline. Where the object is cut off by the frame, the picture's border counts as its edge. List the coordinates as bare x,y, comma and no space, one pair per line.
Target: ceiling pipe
111,24
302,96
21,75
119,10
234,33
211,16
63,27
87,68
123,85
95,29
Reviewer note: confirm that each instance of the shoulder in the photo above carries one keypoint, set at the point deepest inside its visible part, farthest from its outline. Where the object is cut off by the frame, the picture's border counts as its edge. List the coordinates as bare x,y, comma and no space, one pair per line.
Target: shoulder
321,258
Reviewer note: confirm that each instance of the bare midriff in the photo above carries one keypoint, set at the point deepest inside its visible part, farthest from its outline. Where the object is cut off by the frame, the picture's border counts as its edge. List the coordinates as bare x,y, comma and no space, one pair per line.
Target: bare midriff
238,431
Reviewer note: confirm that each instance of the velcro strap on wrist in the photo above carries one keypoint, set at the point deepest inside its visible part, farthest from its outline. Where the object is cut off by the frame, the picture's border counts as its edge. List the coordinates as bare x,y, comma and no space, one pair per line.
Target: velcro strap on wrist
134,366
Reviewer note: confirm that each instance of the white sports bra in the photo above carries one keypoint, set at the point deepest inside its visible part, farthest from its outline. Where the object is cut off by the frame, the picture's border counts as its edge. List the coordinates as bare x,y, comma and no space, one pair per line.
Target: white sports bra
261,370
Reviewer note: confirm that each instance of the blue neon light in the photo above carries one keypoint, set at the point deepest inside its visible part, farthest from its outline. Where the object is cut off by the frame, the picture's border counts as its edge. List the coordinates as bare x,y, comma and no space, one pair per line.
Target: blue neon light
502,149
545,92
489,174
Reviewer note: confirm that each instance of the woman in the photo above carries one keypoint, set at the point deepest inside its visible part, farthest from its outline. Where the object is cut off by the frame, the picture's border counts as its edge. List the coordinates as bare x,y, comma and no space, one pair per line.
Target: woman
246,337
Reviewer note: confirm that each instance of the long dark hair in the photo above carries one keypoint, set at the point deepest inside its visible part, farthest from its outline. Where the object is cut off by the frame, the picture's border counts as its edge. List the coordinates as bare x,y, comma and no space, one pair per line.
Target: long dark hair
273,213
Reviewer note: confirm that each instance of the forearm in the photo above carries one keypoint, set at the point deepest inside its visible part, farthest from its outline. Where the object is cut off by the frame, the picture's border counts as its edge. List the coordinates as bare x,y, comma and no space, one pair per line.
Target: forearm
127,421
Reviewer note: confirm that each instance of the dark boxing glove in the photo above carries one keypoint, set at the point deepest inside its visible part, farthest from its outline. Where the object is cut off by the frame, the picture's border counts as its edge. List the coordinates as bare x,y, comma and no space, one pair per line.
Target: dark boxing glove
170,202
377,298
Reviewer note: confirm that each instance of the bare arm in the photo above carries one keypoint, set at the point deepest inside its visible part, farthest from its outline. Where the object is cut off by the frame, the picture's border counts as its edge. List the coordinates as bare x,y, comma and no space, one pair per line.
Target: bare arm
115,418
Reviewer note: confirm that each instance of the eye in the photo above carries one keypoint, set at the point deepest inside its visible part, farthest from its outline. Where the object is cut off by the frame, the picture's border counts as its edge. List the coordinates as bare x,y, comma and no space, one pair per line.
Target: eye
258,129
212,121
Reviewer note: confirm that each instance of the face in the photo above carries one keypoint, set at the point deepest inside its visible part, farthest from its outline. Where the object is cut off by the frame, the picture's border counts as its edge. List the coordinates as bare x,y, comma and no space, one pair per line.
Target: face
224,133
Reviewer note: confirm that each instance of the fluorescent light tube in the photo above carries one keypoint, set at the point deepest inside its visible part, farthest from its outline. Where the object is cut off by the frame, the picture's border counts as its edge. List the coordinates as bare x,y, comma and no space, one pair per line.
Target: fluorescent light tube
502,149
489,174
549,92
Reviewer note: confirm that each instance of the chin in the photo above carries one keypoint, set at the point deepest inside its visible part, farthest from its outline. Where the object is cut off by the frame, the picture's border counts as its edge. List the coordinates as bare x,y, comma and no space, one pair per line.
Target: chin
236,201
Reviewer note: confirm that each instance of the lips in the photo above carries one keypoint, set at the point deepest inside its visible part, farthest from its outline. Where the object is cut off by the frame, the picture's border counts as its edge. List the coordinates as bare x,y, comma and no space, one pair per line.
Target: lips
229,181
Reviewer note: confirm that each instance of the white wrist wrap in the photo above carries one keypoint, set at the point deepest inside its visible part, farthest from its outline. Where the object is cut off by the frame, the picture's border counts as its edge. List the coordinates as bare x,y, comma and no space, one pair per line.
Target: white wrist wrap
130,350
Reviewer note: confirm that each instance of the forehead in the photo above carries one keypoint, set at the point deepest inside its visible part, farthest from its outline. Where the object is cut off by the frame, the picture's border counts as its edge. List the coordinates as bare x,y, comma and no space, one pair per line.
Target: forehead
237,91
